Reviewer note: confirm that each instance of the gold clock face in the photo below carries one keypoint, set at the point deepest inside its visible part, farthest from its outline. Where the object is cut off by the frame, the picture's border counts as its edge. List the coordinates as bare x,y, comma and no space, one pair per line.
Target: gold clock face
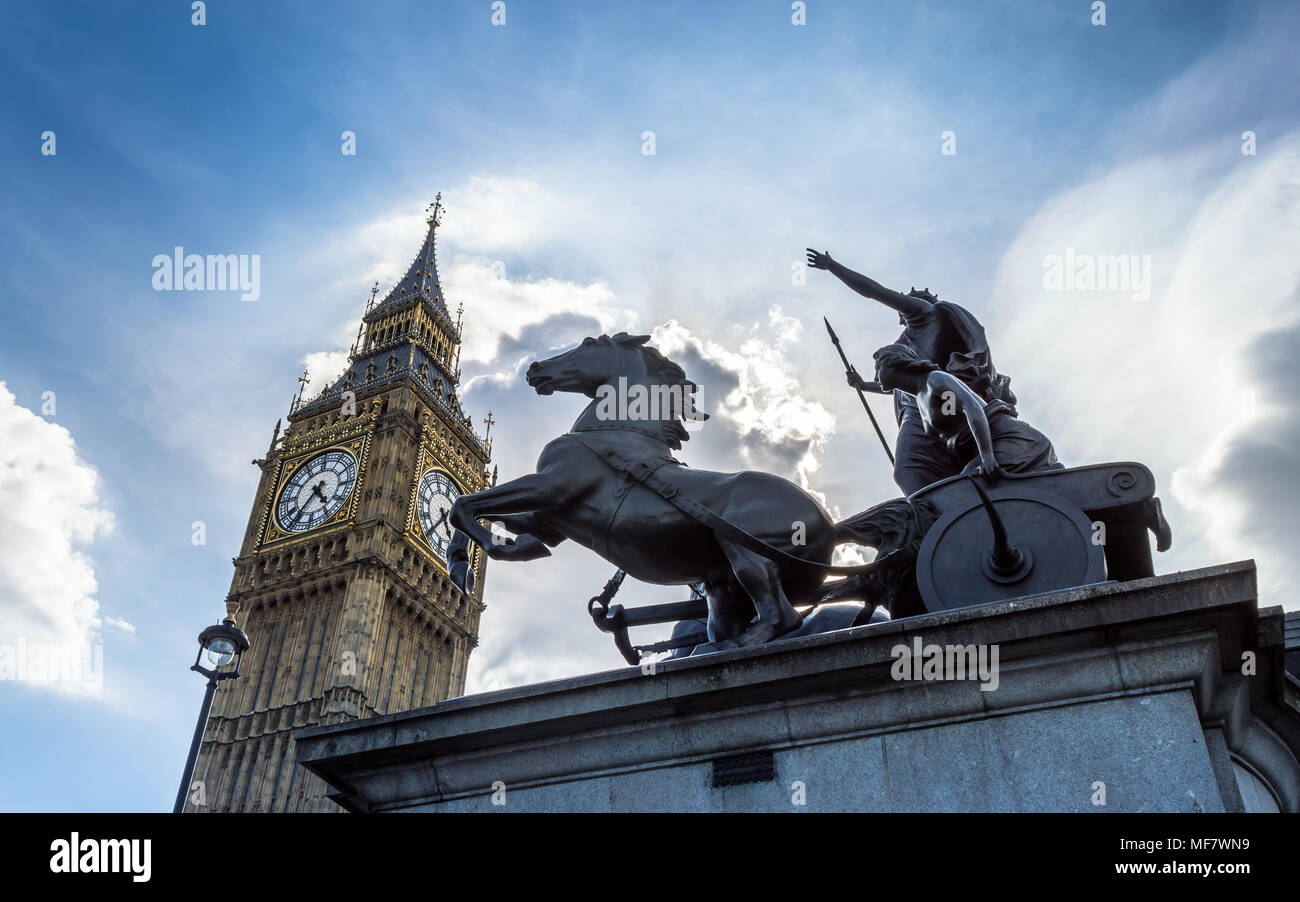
433,504
316,491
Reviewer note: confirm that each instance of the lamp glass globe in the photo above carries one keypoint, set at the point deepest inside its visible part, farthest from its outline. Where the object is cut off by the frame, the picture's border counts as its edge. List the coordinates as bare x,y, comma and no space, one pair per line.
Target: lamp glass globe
220,651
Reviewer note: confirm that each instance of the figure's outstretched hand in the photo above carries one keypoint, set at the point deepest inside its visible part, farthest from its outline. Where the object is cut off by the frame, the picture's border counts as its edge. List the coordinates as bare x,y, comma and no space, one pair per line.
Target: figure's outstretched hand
856,380
819,259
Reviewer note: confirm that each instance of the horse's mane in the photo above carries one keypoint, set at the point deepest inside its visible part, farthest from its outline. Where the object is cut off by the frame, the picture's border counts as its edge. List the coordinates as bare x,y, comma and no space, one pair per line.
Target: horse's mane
665,372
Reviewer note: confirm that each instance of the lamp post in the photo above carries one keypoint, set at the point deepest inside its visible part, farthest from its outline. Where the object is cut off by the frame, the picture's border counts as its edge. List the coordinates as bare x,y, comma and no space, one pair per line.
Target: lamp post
223,645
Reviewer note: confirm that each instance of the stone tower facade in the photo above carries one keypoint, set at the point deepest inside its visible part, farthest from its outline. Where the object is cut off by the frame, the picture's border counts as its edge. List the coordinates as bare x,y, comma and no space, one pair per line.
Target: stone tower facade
341,581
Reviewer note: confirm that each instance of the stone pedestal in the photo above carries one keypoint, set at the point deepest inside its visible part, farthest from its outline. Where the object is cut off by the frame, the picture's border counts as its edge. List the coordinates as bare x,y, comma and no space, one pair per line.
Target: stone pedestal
1116,697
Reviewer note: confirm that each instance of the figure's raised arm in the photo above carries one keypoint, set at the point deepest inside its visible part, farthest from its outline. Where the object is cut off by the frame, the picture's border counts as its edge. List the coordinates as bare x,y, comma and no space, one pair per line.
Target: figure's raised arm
905,304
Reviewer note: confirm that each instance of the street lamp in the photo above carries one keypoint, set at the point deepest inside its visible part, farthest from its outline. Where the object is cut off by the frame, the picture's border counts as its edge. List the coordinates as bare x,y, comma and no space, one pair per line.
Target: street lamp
221,646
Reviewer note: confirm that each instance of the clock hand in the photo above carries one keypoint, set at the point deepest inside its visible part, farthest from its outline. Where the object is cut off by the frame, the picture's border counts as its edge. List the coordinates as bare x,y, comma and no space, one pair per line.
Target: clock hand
442,519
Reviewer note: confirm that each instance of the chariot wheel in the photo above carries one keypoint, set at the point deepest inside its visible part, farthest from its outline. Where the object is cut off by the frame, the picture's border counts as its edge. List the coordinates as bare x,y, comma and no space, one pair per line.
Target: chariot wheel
1006,542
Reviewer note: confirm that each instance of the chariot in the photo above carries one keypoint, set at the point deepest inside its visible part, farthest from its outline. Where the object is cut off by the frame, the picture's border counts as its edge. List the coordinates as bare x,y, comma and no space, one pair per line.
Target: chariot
1026,534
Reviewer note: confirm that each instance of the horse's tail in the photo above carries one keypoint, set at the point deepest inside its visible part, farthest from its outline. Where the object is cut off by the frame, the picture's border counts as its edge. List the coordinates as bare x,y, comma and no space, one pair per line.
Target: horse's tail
886,527
894,528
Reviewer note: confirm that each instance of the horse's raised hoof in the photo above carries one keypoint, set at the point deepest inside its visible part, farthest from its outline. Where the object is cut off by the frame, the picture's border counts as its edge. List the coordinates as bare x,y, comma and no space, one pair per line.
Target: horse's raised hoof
462,577
524,547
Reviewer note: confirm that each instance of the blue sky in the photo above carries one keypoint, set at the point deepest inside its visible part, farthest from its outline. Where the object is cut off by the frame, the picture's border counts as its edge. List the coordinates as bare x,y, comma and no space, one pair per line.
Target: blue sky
225,138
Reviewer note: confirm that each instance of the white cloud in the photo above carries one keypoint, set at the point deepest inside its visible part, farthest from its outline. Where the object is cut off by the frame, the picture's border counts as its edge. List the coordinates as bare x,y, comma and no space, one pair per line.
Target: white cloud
1166,381
323,368
49,507
118,623
489,213
503,308
775,424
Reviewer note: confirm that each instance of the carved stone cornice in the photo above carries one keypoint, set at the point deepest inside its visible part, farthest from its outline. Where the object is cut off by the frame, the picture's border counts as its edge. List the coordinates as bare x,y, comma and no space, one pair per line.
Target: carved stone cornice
274,590
330,434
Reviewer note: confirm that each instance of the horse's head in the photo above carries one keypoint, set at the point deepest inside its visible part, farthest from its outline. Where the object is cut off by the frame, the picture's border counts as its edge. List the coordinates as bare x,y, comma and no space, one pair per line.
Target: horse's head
581,370
617,360
600,361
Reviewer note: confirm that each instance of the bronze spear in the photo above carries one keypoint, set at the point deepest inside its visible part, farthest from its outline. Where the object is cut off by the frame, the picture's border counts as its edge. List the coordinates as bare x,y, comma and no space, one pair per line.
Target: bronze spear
835,339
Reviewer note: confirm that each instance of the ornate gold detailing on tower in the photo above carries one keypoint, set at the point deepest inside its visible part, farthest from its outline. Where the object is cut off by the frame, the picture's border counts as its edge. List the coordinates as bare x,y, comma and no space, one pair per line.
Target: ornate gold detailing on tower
273,533
472,476
339,431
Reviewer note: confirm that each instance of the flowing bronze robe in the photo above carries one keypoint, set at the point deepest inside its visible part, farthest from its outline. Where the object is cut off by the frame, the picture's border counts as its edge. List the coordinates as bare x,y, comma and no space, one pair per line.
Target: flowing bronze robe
947,337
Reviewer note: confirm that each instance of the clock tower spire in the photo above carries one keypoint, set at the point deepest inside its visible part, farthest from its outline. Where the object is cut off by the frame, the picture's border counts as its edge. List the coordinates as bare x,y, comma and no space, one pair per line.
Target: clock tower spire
341,580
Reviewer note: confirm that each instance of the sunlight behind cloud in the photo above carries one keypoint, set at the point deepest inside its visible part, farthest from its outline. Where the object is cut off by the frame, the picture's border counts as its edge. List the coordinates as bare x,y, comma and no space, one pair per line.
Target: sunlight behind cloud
1225,273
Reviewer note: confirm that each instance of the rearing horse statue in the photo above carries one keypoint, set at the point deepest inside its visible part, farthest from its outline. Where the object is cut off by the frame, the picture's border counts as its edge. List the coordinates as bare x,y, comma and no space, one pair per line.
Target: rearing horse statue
607,485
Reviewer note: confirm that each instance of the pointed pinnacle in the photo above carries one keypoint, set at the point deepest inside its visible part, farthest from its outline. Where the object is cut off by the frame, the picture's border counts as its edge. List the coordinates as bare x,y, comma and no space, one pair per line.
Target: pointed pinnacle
834,338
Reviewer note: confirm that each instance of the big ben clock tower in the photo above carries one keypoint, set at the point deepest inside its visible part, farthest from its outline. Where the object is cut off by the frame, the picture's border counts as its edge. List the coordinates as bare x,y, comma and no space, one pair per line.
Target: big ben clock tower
341,581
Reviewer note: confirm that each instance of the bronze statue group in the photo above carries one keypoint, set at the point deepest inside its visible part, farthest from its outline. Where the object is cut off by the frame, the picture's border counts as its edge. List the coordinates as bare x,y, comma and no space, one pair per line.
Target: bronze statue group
756,549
